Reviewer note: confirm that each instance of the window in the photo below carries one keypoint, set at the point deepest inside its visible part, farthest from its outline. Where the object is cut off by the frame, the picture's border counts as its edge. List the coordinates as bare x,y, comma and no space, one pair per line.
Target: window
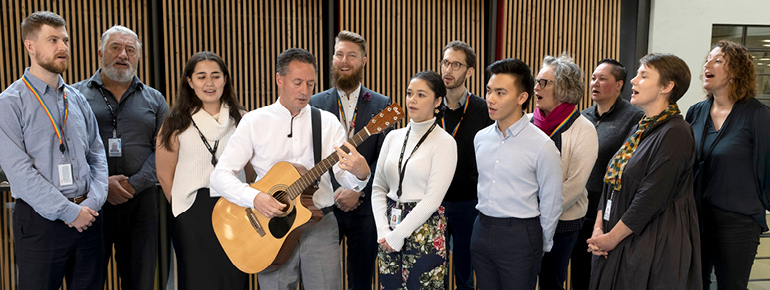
757,40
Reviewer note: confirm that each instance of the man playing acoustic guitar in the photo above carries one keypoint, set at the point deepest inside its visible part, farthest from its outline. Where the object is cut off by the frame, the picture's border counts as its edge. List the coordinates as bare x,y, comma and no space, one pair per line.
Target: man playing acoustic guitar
283,132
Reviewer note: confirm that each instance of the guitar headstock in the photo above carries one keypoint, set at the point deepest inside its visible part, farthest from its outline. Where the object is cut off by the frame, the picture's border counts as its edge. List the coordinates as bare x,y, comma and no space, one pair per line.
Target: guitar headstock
385,119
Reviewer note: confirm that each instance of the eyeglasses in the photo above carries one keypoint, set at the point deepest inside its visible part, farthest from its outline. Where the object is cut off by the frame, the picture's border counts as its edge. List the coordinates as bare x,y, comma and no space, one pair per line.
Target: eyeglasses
456,65
542,82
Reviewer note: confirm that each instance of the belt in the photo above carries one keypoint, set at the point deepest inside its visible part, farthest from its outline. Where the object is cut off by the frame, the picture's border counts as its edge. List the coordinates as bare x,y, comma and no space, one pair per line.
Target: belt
78,199
327,209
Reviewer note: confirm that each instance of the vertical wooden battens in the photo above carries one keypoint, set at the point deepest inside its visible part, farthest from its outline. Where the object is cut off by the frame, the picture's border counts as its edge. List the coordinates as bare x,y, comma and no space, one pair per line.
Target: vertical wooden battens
587,30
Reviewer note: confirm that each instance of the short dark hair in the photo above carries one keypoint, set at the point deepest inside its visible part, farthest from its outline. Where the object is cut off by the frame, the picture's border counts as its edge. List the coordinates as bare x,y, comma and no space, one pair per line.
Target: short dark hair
351,37
436,84
618,71
292,54
470,55
30,26
670,68
525,82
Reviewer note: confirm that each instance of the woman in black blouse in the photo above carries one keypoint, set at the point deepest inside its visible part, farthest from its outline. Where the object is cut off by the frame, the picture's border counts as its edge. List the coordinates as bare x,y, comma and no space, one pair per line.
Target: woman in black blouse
732,139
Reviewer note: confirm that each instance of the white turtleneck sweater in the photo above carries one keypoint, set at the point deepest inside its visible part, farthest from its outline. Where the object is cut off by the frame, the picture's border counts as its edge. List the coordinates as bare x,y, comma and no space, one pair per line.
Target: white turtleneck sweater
194,164
426,179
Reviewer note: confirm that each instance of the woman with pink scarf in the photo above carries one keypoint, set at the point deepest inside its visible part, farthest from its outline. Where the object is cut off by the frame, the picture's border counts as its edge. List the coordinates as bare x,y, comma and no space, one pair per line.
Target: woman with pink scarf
559,87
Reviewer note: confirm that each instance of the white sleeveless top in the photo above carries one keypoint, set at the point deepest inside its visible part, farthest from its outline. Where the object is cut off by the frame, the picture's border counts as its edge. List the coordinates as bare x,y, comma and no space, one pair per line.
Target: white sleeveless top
194,166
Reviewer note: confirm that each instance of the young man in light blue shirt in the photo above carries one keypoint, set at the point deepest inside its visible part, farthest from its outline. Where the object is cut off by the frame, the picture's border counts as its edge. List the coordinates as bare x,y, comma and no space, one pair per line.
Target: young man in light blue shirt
519,189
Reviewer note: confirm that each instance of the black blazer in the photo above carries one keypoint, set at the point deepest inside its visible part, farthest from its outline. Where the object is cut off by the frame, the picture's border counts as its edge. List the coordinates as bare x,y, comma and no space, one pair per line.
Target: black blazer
370,149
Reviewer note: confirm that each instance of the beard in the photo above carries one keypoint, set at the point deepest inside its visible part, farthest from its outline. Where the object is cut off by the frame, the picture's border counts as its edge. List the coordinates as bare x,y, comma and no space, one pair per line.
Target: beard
347,83
53,65
455,83
119,75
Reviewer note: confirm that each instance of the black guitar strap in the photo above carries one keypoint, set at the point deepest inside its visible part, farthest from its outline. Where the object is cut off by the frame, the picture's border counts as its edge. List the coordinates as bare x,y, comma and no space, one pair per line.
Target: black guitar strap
315,115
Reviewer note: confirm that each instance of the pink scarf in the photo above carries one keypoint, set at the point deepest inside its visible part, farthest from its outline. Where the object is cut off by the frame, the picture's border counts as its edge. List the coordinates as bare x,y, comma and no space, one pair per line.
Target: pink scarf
556,117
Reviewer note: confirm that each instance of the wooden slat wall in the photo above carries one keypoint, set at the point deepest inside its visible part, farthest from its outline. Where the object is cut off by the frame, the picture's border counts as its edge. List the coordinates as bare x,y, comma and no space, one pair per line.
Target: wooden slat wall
408,36
589,30
86,21
248,35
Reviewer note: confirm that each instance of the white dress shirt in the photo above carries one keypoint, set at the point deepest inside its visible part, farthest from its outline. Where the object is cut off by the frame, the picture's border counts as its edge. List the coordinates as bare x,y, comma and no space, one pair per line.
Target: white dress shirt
349,103
261,138
518,170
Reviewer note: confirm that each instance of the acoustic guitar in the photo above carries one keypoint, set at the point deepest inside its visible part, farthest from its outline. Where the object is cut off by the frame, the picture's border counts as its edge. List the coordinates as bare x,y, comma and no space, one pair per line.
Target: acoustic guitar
254,242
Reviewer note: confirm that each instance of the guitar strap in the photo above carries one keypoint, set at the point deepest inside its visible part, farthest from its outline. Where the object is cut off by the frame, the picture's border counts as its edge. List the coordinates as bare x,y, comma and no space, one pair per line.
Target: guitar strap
315,116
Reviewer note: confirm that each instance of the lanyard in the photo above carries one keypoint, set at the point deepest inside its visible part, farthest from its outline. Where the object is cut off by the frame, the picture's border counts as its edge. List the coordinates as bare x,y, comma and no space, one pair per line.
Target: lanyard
212,151
401,169
352,125
112,112
465,108
58,129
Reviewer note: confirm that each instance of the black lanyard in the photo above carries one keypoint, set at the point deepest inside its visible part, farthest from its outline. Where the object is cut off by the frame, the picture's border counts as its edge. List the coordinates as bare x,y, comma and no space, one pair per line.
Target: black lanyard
112,111
402,170
213,151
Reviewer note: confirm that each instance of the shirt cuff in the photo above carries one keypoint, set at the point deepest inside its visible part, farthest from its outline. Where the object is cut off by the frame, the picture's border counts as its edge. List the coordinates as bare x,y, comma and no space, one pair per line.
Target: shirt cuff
248,196
71,213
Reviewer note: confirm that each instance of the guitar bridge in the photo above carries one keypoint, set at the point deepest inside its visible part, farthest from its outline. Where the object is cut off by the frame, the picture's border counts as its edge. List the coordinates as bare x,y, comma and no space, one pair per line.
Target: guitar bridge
254,222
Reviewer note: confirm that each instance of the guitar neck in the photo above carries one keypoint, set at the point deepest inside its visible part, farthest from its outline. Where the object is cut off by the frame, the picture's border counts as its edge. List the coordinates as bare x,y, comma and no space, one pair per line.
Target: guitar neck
299,186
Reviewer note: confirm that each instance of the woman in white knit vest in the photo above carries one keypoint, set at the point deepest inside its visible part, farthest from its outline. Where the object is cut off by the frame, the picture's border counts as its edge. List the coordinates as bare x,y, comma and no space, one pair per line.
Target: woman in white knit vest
559,87
415,168
191,140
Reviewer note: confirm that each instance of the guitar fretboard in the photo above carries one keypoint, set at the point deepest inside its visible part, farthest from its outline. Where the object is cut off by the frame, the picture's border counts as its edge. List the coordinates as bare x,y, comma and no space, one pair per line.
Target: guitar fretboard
307,179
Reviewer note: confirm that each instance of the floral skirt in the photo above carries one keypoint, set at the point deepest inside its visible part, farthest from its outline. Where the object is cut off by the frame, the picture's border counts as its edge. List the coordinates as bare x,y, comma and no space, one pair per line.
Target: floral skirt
422,261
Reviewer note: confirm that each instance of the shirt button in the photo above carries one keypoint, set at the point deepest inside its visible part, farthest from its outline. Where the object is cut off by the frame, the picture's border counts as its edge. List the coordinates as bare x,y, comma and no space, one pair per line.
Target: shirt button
77,178
73,159
496,161
493,181
68,139
503,142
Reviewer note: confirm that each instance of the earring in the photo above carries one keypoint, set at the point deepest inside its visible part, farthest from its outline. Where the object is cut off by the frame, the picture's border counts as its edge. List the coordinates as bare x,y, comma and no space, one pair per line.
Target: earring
732,80
436,110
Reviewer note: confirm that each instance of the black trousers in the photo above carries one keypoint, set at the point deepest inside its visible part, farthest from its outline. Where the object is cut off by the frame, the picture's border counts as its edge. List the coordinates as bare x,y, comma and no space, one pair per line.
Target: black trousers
506,252
581,258
729,244
460,218
362,247
201,261
47,251
132,227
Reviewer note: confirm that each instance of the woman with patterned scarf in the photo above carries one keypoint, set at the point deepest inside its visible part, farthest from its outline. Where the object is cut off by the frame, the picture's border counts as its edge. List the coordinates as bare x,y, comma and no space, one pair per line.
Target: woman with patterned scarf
646,232
559,86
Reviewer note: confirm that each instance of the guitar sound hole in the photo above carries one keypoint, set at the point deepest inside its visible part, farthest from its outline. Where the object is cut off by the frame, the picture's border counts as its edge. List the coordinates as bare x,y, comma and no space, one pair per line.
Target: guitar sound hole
283,197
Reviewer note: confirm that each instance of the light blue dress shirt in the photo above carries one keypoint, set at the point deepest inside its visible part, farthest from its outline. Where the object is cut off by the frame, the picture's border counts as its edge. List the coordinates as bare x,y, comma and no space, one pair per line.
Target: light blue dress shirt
519,175
29,149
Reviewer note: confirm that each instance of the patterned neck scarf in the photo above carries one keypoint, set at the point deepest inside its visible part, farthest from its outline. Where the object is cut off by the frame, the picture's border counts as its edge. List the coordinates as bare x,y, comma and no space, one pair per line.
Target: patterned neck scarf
618,163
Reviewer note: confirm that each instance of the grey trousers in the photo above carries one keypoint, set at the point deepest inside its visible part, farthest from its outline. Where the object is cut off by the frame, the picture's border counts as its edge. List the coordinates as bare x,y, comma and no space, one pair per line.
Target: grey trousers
315,261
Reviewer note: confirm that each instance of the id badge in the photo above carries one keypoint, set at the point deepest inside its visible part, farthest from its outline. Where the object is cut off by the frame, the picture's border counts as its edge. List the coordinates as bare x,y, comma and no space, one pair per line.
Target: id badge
65,174
607,210
395,218
115,147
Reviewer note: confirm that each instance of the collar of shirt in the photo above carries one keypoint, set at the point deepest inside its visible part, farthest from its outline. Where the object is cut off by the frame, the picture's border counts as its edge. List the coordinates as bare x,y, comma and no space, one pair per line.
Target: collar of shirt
461,102
514,129
285,111
40,85
353,96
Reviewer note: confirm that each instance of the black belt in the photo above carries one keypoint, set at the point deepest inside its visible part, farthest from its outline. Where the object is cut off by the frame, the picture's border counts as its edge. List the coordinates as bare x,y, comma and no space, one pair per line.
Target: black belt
327,209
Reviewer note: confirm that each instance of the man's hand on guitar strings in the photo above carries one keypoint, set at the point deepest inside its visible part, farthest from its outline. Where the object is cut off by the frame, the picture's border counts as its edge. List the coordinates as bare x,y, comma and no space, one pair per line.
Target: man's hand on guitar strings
267,205
352,162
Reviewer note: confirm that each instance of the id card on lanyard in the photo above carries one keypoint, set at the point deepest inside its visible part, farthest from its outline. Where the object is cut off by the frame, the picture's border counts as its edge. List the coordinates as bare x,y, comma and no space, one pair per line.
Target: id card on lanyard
395,213
608,208
65,169
114,144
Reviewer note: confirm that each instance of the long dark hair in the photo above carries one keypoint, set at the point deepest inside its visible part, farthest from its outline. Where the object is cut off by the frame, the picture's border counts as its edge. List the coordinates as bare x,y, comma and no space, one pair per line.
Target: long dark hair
436,84
187,103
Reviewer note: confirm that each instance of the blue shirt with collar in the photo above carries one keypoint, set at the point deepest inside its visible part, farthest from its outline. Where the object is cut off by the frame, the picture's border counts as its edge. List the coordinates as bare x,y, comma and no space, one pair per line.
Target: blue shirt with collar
519,175
30,153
